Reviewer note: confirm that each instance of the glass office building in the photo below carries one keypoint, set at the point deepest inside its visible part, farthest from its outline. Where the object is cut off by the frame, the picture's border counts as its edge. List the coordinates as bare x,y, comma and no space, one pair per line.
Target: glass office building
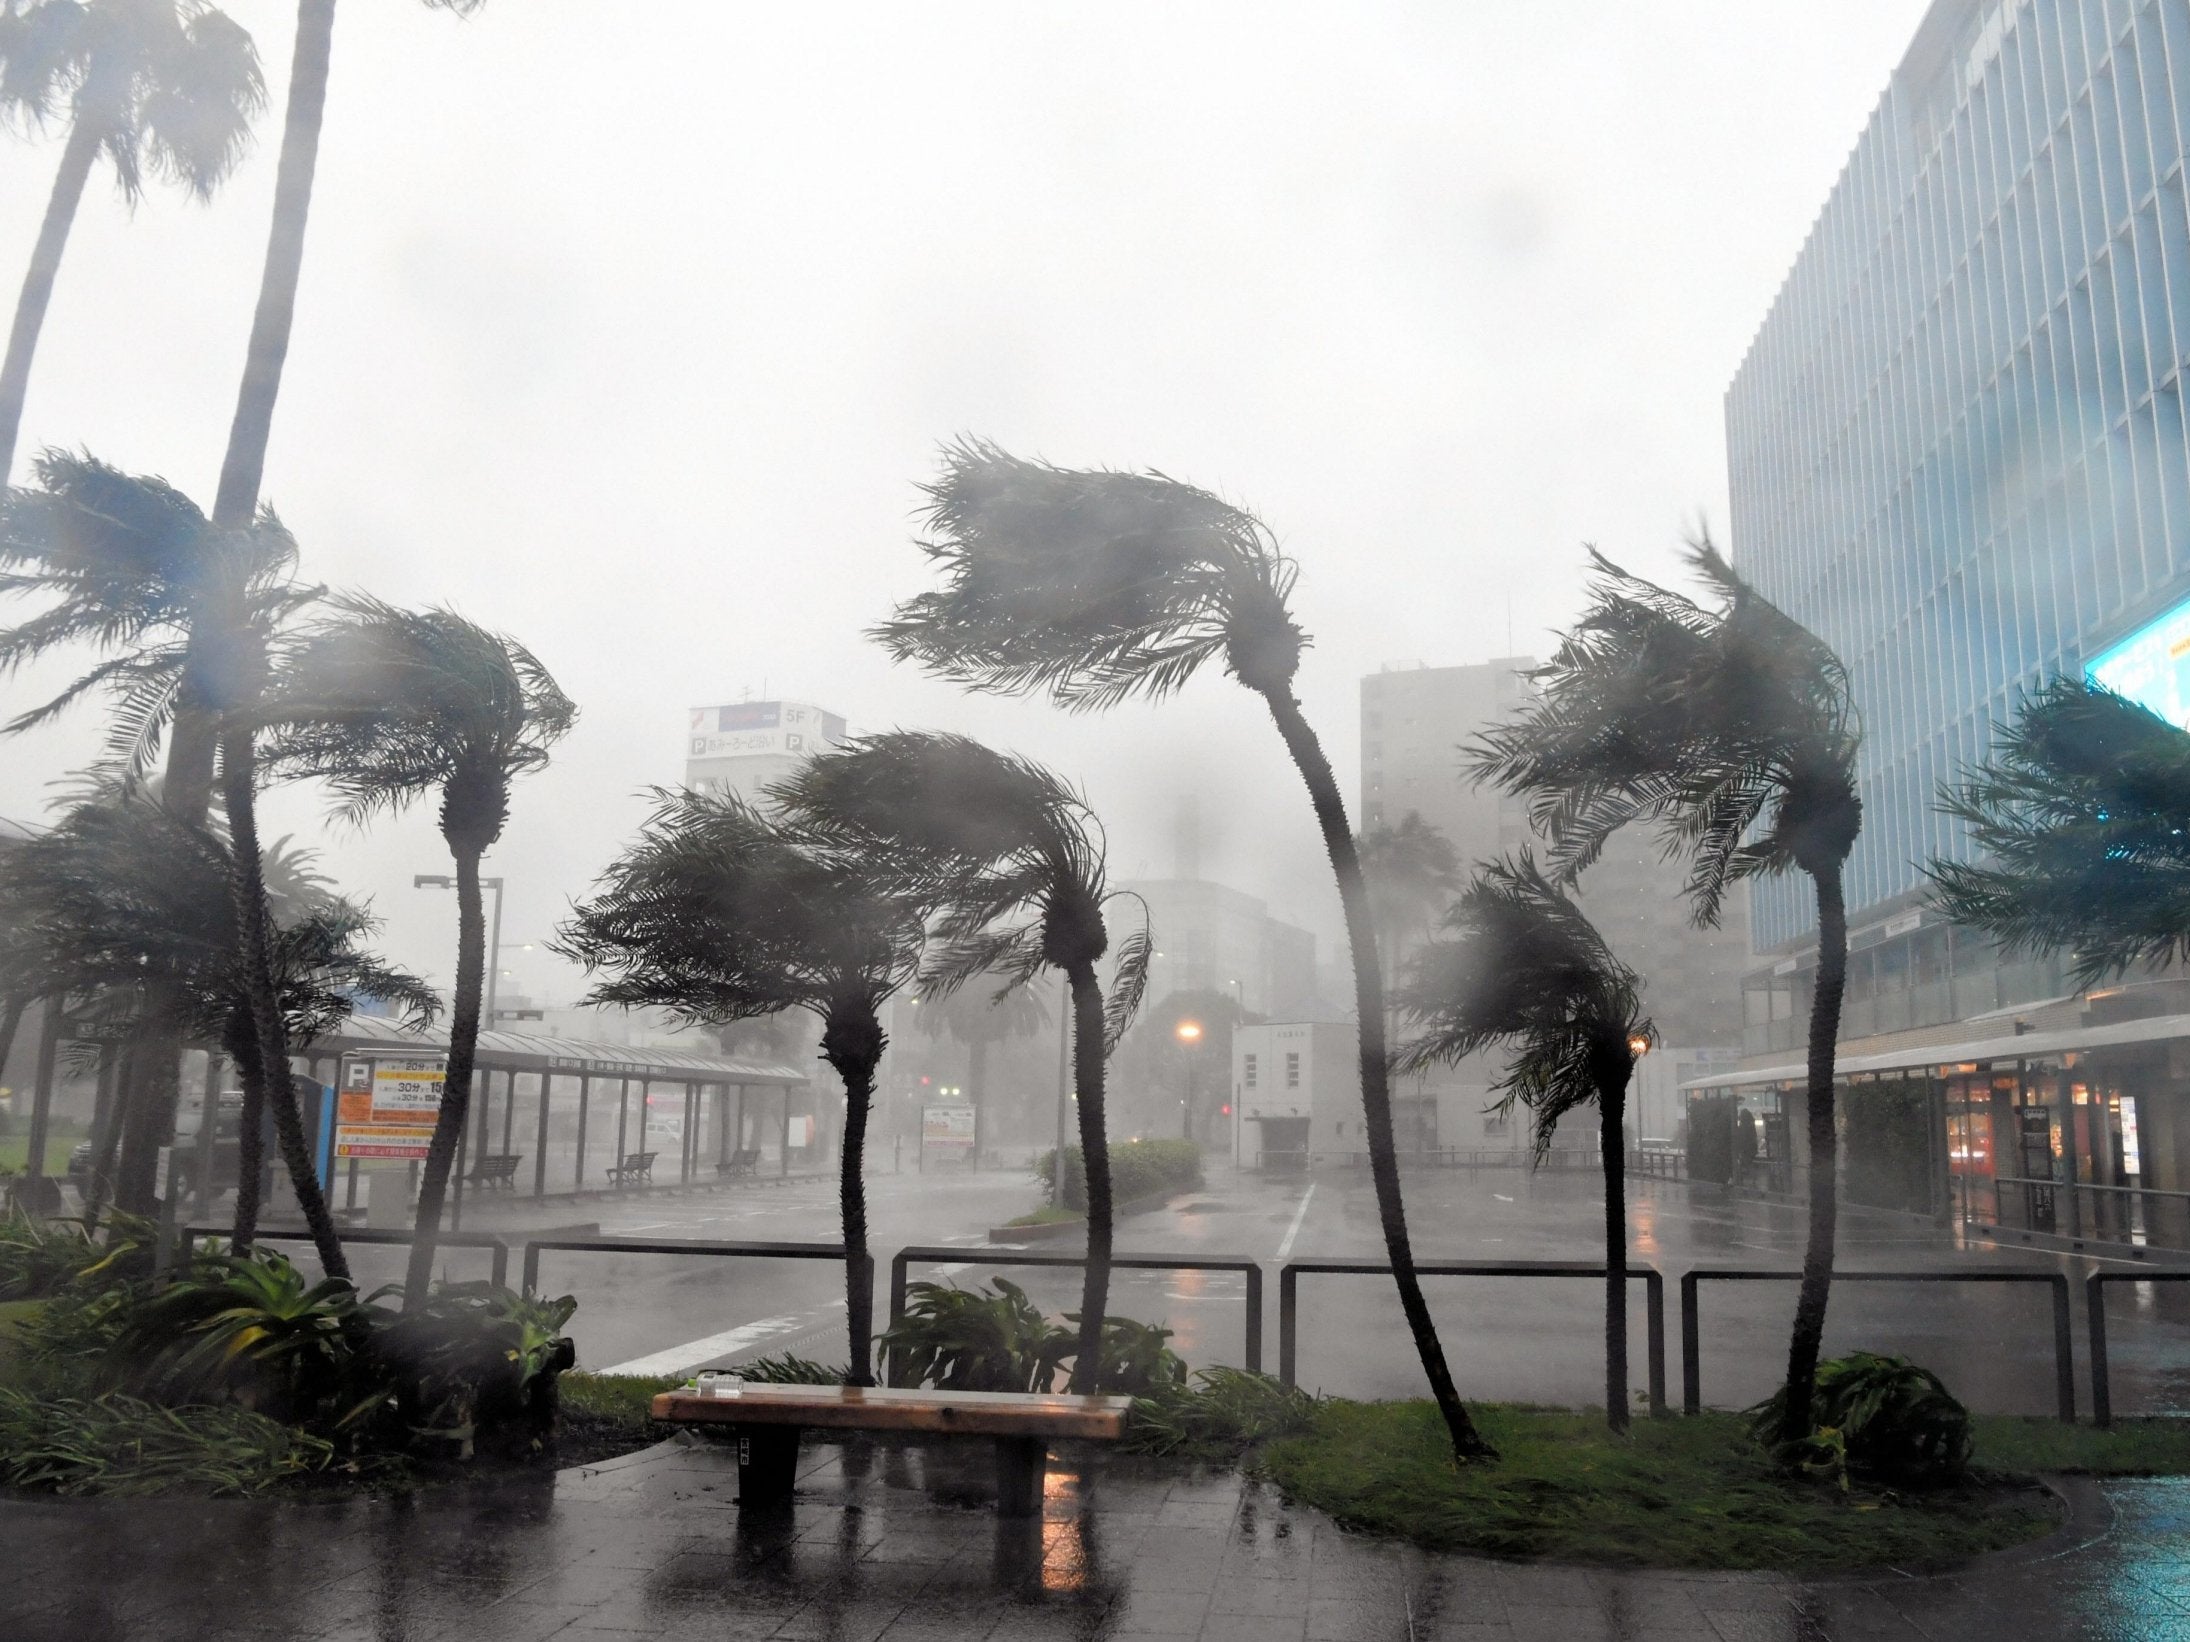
1957,452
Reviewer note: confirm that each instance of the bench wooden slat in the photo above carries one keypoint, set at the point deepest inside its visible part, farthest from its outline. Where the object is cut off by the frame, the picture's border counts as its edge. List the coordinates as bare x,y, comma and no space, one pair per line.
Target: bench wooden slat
889,1408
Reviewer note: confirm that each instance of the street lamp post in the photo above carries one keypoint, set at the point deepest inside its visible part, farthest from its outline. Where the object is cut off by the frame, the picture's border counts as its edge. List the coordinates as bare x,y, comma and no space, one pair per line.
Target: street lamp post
1189,1034
441,880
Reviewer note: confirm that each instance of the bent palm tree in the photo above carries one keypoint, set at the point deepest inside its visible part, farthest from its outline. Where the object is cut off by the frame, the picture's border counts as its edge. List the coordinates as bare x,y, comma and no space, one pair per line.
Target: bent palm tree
1013,860
169,86
2081,812
244,465
719,914
1530,971
387,705
1098,586
1413,872
186,614
1731,729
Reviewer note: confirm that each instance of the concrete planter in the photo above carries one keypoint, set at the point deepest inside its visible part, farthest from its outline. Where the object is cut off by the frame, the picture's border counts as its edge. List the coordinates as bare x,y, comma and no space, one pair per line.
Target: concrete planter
1078,1228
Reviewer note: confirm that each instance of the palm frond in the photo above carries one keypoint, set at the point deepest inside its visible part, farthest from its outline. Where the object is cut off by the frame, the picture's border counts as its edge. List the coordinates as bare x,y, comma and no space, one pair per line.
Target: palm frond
1129,982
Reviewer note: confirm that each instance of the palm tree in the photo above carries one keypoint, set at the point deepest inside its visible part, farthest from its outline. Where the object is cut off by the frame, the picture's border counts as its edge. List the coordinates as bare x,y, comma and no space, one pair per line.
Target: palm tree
169,86
1013,859
244,465
388,705
1731,729
978,1018
186,613
120,901
1529,970
717,914
1098,586
1413,872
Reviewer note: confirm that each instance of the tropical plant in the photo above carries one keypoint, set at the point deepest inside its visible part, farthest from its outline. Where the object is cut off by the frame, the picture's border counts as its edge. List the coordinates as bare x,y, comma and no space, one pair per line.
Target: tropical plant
1413,872
475,1367
1099,586
124,1447
386,706
719,913
980,1018
186,613
1217,1415
2080,817
40,1257
244,464
958,1339
1012,858
1732,730
166,86
1137,1358
1528,971
786,1368
1877,1419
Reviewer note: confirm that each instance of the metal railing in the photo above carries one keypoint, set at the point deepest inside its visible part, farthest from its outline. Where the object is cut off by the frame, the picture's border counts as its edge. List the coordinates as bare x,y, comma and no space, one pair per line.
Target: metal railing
1658,1165
1461,1157
2134,1216
2064,1367
663,1245
2102,1381
498,1247
939,1254
1653,1283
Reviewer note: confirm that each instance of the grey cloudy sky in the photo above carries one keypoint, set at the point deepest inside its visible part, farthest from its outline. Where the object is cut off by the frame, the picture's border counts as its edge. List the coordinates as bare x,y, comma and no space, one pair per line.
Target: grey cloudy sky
628,326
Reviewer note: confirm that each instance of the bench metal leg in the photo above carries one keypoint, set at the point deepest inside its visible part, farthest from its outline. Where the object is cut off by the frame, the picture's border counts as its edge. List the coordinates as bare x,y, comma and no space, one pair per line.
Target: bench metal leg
1021,1464
767,1464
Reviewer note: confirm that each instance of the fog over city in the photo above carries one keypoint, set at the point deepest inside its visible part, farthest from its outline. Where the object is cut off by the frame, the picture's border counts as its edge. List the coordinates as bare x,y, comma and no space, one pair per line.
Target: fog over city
630,330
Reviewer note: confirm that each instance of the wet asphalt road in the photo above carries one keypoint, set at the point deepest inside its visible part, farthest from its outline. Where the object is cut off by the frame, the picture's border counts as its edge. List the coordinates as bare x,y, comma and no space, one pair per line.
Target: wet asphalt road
1528,1339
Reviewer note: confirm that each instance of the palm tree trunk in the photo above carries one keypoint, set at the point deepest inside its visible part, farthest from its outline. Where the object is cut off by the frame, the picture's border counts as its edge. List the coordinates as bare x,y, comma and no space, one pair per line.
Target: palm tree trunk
243,1049
1376,1095
45,264
1611,1127
854,1048
471,975
1817,1258
247,890
977,1069
147,1100
1087,1079
106,1142
245,464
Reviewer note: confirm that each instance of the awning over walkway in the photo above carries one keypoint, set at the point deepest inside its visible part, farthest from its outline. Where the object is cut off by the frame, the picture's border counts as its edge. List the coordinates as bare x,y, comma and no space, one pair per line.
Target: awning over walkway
565,1057
1978,1051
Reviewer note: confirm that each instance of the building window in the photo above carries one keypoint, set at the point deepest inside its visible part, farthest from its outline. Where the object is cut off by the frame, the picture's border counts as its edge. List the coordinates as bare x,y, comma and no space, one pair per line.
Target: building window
1250,1072
1292,1069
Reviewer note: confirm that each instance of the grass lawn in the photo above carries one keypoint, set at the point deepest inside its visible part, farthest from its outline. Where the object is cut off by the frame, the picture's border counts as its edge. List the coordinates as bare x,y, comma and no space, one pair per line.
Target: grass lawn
1678,1493
603,1415
2128,1448
15,1149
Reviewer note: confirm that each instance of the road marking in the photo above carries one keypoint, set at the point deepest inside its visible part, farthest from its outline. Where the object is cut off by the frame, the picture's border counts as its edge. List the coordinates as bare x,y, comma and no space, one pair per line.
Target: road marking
1501,1196
1285,1248
689,1356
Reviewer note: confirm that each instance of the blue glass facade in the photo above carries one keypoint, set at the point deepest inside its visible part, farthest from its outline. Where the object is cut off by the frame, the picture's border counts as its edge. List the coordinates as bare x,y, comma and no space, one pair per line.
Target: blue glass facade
1957,444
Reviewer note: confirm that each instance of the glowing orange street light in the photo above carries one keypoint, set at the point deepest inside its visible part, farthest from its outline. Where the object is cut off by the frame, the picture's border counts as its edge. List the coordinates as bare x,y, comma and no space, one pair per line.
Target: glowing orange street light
1638,1045
1189,1031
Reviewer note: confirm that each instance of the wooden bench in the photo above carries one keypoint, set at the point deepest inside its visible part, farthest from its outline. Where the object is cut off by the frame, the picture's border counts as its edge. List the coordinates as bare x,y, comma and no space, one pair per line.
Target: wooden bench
637,1168
498,1170
766,1420
745,1164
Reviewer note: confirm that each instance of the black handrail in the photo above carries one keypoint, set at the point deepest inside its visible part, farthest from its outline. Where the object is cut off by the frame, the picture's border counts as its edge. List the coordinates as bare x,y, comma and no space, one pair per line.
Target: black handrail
661,1245
1653,1300
2102,1382
1005,1255
380,1237
2064,1367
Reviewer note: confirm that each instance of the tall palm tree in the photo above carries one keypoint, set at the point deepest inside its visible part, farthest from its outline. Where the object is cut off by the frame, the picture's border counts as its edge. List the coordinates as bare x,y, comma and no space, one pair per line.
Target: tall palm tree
386,706
1413,873
2081,814
1730,729
1528,970
718,913
1012,857
166,86
244,465
186,613
1099,586
980,1020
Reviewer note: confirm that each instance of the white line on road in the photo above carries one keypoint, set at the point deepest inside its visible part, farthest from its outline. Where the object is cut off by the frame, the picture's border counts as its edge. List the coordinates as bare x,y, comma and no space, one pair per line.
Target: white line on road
689,1356
1285,1248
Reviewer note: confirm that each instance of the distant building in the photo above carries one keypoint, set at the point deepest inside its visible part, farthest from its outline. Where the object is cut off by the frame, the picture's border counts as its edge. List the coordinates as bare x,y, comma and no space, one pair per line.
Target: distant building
742,748
1212,938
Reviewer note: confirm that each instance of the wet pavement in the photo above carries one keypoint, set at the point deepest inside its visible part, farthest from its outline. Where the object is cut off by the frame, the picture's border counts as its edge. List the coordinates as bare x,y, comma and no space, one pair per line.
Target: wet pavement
888,1543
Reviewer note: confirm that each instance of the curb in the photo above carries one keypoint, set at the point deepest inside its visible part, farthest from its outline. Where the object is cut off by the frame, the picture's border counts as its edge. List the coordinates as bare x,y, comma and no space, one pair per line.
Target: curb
1068,1228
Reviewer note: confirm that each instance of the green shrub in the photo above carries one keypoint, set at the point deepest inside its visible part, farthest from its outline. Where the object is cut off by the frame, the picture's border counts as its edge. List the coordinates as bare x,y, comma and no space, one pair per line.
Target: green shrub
475,1368
1136,1361
966,1340
1138,1168
43,1257
1220,1416
786,1369
1881,1419
118,1445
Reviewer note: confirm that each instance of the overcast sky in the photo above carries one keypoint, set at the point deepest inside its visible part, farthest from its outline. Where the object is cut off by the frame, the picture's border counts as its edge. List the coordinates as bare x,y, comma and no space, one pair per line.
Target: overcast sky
628,327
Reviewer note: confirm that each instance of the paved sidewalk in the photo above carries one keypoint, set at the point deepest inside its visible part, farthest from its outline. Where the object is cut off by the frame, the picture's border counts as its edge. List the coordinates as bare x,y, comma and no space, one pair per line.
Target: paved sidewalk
889,1544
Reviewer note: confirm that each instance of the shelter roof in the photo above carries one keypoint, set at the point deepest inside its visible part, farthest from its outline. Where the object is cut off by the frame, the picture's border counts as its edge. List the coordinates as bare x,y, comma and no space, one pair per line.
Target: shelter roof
572,1057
